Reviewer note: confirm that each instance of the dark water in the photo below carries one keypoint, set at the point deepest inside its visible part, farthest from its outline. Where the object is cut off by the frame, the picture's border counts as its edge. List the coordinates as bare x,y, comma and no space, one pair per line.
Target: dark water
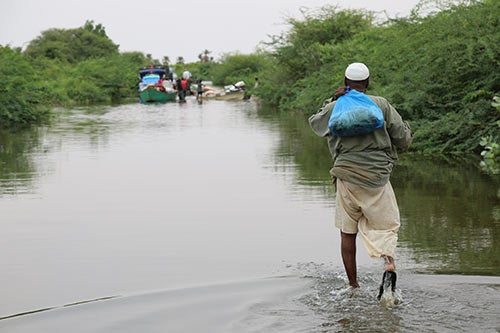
219,218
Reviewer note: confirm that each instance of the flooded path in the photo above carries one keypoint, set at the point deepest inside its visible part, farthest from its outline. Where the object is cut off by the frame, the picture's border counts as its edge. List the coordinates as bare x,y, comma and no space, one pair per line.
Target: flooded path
219,218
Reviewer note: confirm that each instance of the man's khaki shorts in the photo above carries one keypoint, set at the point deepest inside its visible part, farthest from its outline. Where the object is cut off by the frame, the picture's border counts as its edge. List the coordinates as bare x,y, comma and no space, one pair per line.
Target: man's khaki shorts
371,211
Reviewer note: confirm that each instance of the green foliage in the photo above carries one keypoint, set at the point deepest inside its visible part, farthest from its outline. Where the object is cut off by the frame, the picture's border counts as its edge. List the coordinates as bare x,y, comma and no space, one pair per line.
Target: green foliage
64,67
20,90
300,54
199,70
73,45
238,67
107,79
439,68
491,146
103,79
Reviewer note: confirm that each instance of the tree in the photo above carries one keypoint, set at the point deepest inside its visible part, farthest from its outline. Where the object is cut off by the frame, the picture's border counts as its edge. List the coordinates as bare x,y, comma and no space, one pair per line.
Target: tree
301,52
238,67
20,92
204,56
440,71
73,45
297,51
97,29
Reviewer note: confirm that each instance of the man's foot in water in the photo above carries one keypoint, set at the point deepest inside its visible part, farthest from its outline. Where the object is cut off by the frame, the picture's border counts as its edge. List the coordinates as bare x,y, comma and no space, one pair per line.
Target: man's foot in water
388,281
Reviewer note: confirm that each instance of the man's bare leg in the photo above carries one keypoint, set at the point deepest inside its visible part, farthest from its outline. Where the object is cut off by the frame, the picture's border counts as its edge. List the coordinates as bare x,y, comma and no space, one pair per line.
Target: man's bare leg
348,250
389,263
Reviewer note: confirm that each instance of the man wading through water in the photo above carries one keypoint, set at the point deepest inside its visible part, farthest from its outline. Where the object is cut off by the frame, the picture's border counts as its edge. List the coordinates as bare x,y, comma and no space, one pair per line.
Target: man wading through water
365,200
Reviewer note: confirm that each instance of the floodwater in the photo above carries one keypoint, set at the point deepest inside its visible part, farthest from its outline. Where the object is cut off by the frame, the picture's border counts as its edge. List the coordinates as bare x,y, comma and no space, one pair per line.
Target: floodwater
219,218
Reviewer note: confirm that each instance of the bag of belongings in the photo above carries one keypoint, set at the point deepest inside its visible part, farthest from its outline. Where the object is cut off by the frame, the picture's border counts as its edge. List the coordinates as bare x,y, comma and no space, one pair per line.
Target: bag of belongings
354,114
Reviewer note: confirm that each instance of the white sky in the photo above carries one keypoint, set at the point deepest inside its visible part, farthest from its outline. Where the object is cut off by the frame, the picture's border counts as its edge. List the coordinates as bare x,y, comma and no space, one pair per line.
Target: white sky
171,28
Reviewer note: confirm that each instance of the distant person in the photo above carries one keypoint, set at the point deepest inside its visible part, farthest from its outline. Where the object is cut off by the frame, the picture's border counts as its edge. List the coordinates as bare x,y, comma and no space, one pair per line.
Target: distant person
184,85
362,165
170,75
186,74
256,85
181,93
199,94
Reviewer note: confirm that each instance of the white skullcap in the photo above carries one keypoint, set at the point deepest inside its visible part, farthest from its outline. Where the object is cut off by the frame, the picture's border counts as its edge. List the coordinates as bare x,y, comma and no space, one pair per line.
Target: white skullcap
357,72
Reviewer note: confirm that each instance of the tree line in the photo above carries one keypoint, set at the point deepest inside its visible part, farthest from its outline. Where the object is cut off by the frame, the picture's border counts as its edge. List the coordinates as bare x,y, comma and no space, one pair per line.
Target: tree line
441,71
439,66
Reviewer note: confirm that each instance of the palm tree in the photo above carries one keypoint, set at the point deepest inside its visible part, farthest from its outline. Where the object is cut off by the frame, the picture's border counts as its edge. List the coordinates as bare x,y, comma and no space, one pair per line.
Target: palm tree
205,57
180,60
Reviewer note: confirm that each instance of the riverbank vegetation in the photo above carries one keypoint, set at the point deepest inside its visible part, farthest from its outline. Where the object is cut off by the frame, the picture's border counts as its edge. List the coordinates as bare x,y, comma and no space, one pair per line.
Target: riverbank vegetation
441,70
64,67
440,67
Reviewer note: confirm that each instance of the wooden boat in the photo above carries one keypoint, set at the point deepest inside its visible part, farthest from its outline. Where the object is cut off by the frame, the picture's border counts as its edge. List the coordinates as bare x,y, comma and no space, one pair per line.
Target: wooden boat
153,94
231,96
155,85
234,92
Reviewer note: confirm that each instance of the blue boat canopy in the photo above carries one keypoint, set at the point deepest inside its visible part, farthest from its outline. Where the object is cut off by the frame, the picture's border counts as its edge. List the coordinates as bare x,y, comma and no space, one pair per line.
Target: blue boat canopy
150,78
158,70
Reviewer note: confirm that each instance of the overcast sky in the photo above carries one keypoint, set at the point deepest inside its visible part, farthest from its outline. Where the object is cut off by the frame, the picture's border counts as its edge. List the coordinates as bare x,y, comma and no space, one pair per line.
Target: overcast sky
172,28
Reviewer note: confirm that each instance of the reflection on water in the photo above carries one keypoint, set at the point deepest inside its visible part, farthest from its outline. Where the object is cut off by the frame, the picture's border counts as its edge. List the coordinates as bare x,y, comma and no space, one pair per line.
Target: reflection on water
111,201
26,155
451,216
17,161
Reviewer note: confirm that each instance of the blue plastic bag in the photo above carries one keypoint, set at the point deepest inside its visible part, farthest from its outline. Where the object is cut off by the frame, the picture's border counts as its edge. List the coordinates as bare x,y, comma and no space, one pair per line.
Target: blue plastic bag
354,114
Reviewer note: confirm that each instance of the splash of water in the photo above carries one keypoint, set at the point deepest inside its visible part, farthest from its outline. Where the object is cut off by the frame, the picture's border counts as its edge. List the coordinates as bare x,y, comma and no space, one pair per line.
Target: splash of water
391,299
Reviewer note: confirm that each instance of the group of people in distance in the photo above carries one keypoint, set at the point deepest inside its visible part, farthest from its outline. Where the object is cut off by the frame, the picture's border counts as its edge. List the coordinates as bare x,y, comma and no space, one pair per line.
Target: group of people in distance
183,87
168,83
186,85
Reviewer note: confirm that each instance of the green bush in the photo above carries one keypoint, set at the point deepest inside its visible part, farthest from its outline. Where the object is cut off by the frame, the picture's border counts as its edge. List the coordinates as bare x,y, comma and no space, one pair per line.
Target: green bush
21,92
73,45
440,71
491,145
238,67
